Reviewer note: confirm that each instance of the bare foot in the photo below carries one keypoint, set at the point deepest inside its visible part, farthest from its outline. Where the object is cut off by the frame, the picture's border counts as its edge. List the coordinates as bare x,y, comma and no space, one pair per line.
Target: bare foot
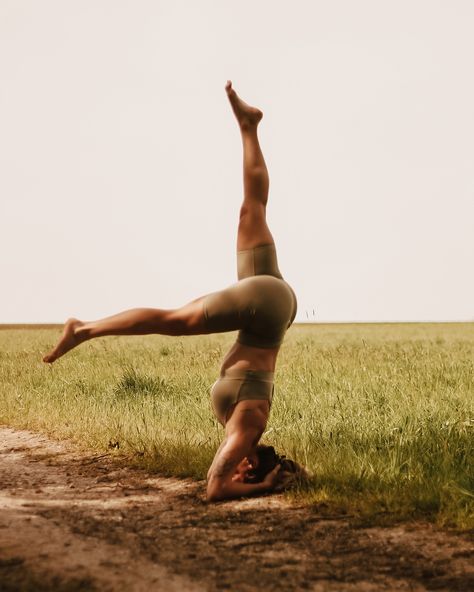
68,341
247,116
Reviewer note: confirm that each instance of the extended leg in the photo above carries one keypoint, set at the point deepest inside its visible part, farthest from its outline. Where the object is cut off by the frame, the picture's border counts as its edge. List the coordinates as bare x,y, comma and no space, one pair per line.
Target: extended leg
187,320
190,320
253,230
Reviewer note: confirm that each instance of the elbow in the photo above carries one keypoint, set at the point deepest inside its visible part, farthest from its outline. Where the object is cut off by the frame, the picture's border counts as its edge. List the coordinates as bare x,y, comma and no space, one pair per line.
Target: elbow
211,498
215,492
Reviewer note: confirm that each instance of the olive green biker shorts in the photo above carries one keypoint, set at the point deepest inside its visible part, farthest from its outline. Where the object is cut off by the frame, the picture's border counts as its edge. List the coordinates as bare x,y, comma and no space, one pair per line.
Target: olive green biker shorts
261,305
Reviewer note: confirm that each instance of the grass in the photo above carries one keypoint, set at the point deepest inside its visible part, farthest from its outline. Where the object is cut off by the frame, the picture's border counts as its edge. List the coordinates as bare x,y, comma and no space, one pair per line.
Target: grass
382,415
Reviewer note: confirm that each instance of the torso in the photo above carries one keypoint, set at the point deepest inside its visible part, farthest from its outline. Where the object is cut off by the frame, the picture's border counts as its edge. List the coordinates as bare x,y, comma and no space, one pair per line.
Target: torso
245,357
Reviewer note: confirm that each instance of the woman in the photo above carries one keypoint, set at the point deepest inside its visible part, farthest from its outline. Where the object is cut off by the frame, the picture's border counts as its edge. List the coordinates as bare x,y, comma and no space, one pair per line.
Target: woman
261,305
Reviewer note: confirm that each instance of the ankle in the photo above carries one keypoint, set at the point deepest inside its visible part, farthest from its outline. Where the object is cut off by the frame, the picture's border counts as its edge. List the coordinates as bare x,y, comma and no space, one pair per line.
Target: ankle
82,333
248,127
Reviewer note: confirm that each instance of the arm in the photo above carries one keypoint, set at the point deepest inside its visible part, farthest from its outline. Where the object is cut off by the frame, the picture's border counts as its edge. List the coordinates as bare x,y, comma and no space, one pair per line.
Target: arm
220,483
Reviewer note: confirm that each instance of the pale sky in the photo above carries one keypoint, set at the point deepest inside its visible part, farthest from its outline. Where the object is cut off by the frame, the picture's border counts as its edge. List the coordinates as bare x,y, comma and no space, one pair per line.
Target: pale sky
120,159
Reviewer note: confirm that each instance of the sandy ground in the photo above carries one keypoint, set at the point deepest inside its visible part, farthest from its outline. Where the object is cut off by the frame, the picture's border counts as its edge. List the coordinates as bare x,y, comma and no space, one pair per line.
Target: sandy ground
71,522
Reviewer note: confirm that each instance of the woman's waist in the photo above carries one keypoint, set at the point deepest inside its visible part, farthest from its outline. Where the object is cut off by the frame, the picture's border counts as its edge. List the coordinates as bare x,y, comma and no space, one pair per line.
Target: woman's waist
248,358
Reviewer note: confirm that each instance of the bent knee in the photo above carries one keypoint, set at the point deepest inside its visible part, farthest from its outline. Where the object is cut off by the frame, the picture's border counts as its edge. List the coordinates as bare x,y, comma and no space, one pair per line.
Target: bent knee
188,320
252,211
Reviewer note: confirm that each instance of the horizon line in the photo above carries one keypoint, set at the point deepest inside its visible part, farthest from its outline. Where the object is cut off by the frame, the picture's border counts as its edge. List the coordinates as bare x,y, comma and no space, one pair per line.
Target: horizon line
329,322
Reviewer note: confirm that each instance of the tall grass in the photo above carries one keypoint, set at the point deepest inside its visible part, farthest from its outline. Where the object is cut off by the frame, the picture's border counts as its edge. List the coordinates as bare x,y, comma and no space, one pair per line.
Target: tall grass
382,415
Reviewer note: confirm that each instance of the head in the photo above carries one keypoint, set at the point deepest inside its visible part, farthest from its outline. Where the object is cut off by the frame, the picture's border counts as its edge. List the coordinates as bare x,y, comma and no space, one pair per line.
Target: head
263,459
256,465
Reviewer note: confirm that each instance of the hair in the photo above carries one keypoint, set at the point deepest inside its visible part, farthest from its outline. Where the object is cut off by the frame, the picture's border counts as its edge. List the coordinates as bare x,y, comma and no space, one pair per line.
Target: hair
268,459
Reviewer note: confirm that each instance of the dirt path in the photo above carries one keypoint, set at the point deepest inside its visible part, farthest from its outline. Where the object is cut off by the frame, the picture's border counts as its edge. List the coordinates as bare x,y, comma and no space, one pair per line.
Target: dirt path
70,522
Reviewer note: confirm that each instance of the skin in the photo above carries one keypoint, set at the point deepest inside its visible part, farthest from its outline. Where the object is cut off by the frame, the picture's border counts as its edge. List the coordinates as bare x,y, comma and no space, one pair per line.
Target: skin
247,420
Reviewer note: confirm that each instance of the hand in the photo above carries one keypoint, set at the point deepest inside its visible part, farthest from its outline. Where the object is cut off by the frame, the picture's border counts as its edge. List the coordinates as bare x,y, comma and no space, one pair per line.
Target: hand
272,478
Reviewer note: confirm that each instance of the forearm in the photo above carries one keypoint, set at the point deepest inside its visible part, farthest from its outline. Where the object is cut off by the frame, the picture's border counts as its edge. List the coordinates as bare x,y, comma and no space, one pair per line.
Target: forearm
233,489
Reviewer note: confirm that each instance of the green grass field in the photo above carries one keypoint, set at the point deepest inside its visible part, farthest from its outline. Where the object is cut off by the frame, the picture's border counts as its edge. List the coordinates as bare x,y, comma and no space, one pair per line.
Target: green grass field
381,414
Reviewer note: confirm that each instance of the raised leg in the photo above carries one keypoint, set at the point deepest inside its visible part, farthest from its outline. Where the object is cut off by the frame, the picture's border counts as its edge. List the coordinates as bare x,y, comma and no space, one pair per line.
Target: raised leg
190,319
187,320
253,230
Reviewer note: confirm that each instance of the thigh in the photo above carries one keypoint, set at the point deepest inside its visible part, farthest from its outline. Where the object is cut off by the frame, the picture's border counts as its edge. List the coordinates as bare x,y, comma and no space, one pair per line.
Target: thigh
227,310
219,312
189,319
261,260
253,229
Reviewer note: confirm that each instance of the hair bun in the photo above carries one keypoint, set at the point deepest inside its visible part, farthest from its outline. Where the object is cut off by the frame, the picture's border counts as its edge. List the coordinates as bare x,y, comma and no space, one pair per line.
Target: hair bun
288,465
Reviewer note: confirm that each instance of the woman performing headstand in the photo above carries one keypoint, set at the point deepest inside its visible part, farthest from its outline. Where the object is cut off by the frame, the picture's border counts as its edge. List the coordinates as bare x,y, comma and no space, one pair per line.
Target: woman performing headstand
261,306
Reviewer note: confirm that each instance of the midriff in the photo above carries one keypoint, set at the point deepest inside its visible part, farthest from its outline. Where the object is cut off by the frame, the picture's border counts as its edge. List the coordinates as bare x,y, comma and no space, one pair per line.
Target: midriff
246,357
